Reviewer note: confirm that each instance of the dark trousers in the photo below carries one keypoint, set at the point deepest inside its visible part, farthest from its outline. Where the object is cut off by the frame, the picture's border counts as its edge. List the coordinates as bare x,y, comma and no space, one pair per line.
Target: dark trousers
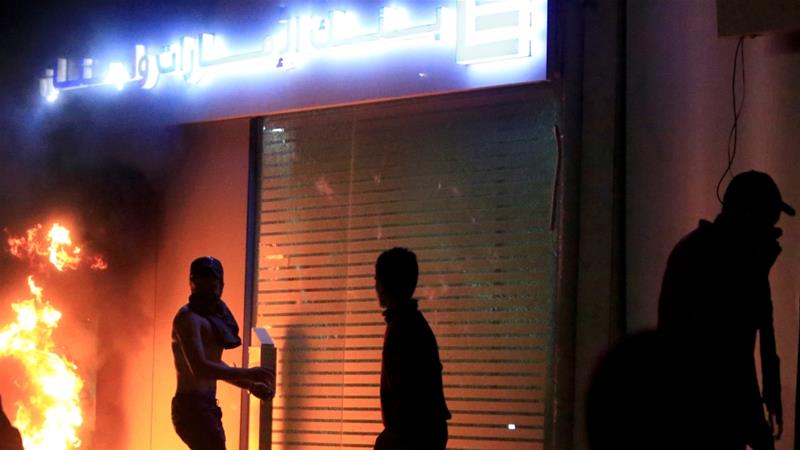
433,437
198,421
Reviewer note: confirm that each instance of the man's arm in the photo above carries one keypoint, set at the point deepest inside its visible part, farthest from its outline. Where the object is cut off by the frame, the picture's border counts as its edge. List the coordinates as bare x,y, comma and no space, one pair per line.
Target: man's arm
765,255
770,367
187,332
244,384
258,389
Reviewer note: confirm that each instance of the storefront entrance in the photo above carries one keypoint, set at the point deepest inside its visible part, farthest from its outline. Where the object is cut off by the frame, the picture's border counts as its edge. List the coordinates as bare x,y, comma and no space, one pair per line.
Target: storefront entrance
464,180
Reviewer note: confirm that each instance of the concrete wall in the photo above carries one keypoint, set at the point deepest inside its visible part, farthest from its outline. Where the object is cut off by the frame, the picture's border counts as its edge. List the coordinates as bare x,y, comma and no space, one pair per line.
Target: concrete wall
679,115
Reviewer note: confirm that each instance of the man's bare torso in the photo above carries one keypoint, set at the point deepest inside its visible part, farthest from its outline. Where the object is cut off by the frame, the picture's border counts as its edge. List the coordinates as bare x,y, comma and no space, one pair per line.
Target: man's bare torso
188,382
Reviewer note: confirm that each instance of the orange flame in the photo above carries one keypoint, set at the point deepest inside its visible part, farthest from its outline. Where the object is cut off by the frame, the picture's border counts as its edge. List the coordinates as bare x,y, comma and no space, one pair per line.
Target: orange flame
56,247
99,264
62,253
52,420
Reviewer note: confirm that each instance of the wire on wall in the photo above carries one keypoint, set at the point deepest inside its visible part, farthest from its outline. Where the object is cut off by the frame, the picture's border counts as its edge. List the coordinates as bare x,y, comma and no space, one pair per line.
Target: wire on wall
738,105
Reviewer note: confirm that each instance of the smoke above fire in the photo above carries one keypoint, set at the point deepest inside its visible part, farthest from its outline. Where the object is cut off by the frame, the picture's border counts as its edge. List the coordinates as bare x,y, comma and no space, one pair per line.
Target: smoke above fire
51,417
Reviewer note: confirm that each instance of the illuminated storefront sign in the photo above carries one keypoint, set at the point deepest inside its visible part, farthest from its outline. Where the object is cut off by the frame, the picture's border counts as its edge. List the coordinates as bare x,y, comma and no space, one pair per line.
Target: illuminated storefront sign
475,32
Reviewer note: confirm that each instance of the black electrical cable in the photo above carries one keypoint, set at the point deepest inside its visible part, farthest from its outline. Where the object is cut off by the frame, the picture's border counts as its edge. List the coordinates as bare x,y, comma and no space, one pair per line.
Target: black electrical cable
733,135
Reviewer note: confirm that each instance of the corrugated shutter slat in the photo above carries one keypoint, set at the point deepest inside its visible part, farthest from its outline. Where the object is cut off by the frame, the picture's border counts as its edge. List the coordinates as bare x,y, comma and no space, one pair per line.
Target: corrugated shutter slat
469,190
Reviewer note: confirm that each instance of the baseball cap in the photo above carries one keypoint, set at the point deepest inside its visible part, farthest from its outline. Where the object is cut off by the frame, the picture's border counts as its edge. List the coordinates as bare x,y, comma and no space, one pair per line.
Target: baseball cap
755,190
206,266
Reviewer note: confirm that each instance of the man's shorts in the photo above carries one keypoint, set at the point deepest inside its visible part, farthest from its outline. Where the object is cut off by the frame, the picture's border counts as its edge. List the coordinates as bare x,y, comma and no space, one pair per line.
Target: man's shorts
198,421
430,437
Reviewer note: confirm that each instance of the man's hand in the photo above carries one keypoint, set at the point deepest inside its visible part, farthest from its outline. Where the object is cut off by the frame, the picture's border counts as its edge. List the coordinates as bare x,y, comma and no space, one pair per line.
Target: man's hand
259,374
776,422
772,398
262,391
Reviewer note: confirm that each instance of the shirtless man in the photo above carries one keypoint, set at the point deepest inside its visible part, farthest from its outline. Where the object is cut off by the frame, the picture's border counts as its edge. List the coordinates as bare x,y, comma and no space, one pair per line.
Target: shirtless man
201,330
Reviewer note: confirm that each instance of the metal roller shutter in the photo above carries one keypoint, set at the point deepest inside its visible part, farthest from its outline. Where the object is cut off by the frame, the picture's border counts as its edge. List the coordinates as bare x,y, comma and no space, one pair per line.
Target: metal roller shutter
463,180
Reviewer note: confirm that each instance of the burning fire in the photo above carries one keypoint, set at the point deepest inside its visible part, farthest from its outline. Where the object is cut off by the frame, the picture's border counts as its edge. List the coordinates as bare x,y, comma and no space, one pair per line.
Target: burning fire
52,416
56,246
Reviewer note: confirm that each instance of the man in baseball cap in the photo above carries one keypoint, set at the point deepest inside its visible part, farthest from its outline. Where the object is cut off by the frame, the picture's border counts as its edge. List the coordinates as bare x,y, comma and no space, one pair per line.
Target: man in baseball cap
201,330
715,302
755,191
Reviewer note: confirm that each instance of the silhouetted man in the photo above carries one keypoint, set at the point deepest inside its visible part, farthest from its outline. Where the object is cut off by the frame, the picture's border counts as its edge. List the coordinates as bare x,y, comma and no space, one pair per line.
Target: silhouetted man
10,438
715,299
412,397
200,331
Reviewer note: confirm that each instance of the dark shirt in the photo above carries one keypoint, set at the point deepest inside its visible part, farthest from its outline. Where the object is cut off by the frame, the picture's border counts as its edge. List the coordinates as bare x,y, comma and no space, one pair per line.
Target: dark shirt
715,299
412,395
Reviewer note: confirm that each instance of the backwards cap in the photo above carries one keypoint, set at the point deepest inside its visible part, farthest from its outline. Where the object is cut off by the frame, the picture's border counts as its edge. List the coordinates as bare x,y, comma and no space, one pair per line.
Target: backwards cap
206,266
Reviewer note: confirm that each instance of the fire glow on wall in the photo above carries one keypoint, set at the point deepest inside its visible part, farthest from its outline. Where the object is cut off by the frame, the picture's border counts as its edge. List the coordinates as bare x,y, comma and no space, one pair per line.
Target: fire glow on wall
448,46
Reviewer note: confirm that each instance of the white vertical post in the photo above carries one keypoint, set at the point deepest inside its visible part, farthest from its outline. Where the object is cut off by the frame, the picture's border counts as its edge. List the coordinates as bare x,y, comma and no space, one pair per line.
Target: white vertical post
269,360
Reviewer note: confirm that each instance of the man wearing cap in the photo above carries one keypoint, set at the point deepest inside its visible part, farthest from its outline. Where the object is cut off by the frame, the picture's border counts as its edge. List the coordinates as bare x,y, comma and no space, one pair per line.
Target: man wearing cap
715,299
201,330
